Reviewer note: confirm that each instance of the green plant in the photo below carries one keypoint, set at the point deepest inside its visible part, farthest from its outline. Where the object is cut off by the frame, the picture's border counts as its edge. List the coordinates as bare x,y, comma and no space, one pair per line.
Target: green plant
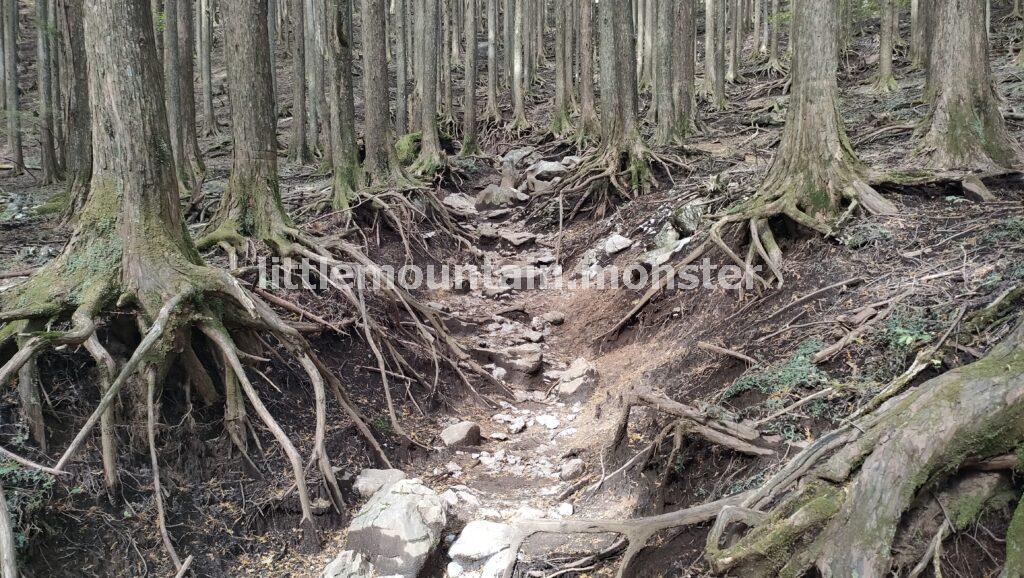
27,491
1011,229
797,371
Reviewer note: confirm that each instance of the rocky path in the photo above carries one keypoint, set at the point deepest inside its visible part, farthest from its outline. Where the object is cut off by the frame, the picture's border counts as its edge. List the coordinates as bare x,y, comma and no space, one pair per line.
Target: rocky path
491,466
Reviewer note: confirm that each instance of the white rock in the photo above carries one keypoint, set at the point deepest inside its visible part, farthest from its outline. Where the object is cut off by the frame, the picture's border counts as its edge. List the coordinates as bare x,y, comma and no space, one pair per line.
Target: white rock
479,540
370,481
495,567
454,569
548,421
617,244
571,469
461,202
348,564
517,425
499,436
464,433
581,375
565,509
398,528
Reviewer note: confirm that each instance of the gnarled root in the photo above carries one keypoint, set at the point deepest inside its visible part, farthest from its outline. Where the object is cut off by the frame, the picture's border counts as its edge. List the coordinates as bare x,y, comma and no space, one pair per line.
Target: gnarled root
845,514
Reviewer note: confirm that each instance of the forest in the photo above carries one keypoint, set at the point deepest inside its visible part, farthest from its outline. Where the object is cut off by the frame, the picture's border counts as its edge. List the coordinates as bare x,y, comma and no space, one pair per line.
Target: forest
511,288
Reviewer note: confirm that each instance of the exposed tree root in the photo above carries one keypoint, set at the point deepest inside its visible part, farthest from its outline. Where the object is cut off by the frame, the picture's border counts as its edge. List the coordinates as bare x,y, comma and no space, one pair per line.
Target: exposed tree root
610,172
846,511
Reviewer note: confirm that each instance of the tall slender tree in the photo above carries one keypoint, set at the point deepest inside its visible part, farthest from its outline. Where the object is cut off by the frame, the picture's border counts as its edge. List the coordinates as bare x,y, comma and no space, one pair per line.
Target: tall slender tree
48,153
78,160
431,155
588,123
492,113
11,69
381,164
885,82
470,146
714,52
299,151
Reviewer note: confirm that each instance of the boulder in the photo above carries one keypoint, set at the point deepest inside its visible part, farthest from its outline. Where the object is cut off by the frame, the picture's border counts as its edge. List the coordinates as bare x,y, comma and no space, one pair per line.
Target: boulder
545,170
399,527
495,196
480,540
526,358
581,375
460,202
686,218
464,433
553,317
370,481
571,469
517,238
516,156
617,244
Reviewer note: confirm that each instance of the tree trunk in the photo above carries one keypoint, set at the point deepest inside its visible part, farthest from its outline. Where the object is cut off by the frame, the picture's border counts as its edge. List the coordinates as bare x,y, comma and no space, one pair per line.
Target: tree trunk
401,19
448,36
665,25
8,552
736,25
519,72
381,164
560,115
78,160
965,128
11,69
299,152
341,102
589,125
684,65
251,205
210,126
492,113
193,156
508,19
430,156
814,169
469,127
714,52
775,24
48,153
885,81
172,87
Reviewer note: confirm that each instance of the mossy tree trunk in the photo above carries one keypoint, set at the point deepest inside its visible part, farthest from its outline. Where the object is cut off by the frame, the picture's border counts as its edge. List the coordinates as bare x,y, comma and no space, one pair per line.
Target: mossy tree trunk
965,130
428,24
815,170
251,205
345,180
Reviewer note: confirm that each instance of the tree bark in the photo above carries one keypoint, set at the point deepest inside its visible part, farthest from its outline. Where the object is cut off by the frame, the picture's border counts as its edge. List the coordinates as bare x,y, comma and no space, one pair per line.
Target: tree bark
519,71
251,205
684,68
11,69
341,102
173,92
210,126
589,124
401,19
492,113
560,114
78,160
48,154
193,156
664,83
299,152
469,126
381,164
732,73
714,52
885,81
965,130
430,156
8,552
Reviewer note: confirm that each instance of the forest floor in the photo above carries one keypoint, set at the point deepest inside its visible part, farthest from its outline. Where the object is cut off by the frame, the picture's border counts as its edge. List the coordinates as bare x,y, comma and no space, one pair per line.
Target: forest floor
899,283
